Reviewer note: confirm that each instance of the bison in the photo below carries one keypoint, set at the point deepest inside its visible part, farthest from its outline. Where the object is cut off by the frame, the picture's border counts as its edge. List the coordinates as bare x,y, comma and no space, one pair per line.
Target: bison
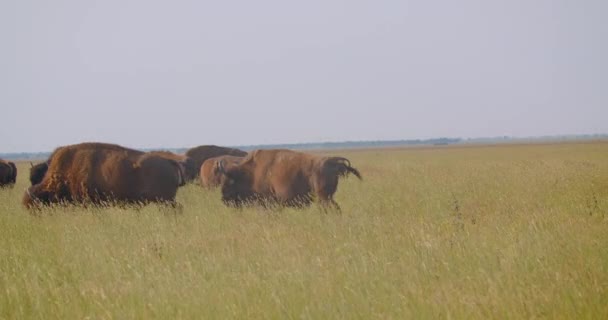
210,175
100,173
201,153
8,173
284,177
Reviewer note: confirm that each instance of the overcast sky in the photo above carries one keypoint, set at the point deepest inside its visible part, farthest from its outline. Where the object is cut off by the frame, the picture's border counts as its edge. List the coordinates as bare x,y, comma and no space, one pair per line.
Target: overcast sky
184,73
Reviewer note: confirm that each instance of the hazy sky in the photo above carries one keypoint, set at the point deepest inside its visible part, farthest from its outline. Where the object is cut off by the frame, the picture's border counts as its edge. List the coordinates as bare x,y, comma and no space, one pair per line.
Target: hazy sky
183,73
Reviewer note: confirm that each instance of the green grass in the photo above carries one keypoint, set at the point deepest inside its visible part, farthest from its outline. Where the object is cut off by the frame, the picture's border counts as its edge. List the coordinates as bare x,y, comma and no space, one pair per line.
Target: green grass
470,232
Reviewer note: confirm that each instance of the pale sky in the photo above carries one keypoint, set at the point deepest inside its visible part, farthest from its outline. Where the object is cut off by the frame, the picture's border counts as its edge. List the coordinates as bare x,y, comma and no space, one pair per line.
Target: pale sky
149,74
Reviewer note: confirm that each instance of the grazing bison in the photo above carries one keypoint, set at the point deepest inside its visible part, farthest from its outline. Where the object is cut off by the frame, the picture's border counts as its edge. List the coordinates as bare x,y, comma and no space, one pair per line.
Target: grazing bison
8,173
284,177
100,173
211,176
201,153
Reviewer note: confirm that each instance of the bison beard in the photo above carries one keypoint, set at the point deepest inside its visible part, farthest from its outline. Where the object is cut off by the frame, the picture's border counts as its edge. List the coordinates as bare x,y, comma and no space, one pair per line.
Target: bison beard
285,178
102,174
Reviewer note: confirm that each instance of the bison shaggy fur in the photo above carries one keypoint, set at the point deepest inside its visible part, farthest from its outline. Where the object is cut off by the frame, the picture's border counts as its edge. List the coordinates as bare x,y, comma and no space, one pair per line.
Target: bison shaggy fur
284,177
100,173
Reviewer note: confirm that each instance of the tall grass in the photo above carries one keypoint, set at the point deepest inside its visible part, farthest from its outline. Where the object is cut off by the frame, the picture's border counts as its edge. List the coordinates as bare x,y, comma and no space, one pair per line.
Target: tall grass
467,232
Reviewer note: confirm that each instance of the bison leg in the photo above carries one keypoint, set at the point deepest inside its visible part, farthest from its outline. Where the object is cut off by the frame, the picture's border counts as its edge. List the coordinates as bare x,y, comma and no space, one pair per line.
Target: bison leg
328,202
176,206
170,204
235,203
336,206
331,204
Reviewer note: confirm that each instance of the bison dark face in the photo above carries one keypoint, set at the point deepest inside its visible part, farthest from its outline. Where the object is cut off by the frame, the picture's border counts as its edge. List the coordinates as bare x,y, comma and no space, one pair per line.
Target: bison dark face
36,195
37,172
236,185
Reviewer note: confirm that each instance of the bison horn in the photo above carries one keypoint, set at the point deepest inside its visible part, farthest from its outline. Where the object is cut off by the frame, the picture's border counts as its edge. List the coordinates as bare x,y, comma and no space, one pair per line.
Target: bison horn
31,165
29,194
341,159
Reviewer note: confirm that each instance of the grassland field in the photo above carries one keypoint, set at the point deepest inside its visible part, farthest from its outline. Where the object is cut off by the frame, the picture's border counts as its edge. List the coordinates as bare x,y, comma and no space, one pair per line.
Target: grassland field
508,231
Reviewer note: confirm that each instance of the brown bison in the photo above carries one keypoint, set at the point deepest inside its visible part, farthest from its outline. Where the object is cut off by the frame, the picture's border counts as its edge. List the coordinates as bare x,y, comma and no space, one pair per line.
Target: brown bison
201,153
100,173
8,173
211,176
284,177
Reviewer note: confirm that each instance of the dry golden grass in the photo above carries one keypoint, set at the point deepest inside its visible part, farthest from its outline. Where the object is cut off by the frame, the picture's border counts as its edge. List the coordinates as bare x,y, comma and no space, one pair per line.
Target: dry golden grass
513,231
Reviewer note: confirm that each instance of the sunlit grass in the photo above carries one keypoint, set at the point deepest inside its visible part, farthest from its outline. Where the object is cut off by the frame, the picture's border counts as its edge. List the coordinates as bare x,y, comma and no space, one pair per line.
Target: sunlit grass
474,232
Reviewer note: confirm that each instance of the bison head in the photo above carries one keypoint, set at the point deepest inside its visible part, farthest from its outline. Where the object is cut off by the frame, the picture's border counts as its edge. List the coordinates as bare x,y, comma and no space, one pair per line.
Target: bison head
35,196
37,172
38,195
236,184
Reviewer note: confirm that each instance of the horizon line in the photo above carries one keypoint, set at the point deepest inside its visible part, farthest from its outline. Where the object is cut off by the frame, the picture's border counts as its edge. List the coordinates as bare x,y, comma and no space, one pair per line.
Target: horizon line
366,143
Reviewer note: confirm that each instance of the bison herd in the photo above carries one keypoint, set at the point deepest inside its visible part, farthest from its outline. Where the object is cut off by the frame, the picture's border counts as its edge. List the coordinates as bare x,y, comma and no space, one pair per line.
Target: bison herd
108,174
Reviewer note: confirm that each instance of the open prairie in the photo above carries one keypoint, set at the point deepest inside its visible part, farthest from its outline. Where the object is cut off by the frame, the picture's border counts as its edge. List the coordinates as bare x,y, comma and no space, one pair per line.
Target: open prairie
509,231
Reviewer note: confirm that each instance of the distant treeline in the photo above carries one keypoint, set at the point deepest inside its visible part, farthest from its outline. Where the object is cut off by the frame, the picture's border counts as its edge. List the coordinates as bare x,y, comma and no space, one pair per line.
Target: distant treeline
356,144
353,144
25,155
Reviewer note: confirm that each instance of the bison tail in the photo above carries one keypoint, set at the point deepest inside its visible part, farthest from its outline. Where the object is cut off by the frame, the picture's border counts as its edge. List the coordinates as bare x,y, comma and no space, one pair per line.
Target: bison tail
343,166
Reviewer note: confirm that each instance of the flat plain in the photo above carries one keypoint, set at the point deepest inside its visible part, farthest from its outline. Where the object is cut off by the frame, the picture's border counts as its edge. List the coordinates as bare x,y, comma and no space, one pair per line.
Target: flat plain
505,231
